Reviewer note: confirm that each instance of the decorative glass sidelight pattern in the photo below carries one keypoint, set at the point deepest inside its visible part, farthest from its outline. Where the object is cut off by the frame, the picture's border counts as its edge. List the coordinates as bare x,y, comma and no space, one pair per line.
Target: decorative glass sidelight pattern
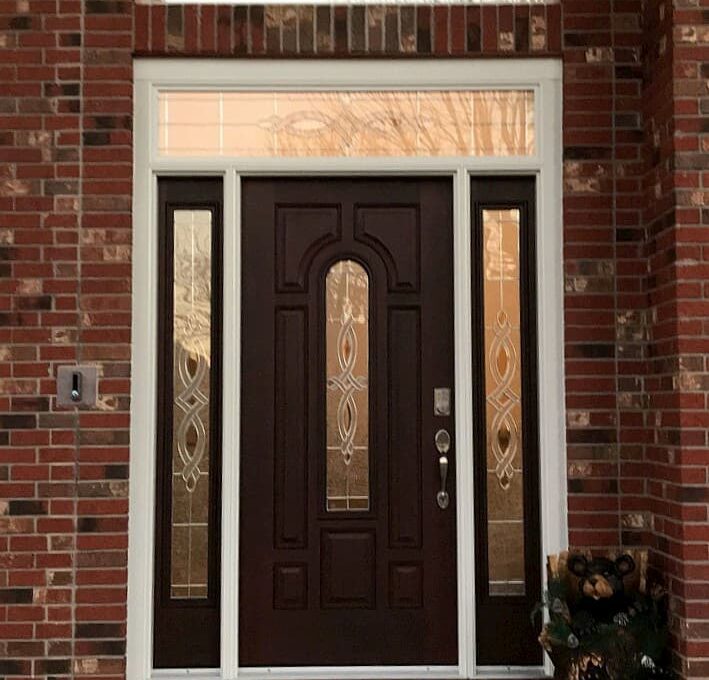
192,268
347,380
347,123
503,408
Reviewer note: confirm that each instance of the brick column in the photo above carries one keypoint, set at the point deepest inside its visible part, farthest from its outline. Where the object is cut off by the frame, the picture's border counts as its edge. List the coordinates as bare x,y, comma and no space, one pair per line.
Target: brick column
604,260
677,196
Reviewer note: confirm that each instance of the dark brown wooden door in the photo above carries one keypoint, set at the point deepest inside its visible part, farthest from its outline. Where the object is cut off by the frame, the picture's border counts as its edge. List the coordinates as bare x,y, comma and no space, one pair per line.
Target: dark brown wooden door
347,330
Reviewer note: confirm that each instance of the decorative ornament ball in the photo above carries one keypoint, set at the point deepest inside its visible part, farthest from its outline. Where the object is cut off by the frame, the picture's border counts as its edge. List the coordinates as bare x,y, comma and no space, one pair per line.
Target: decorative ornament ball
621,619
646,661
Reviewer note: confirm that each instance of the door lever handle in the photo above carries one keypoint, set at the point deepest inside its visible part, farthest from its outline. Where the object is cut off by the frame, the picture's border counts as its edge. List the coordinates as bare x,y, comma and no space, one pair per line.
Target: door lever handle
442,497
442,441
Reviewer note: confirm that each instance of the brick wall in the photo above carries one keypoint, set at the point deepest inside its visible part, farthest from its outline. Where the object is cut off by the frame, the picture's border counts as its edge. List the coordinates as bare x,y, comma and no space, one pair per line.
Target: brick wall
306,31
635,202
688,492
676,200
65,201
604,261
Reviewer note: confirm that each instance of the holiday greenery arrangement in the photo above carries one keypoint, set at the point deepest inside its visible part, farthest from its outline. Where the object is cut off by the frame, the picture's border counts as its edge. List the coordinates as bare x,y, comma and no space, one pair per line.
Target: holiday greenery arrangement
604,621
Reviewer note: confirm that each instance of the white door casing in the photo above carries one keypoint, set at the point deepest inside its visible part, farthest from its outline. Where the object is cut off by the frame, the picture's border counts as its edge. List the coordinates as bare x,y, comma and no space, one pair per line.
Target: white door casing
153,75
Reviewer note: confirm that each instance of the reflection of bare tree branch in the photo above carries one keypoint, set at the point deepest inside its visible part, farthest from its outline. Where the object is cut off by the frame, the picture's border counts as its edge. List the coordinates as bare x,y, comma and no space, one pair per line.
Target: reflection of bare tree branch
483,133
398,119
453,112
426,134
376,123
508,118
192,283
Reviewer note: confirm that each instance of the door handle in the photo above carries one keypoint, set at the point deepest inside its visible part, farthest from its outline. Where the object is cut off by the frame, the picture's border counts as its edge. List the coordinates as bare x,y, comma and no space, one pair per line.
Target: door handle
443,445
442,497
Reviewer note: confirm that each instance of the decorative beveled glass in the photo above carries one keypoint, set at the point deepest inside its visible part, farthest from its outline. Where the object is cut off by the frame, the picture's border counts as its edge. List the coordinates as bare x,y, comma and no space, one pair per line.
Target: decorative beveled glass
347,381
503,405
192,321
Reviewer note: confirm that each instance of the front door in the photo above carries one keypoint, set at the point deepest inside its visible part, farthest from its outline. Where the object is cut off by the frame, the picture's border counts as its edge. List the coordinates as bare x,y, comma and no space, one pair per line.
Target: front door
347,506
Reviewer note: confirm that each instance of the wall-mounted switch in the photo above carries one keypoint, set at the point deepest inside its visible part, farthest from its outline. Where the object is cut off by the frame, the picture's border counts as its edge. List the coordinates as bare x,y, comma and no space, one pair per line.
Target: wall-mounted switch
76,385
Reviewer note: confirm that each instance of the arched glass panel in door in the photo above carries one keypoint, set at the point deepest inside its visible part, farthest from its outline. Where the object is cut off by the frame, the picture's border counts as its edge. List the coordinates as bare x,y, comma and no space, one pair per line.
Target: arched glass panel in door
347,381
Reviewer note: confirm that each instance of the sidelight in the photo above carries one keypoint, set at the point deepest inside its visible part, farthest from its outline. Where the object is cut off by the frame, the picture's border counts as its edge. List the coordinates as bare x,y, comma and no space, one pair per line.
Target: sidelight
187,472
508,578
347,384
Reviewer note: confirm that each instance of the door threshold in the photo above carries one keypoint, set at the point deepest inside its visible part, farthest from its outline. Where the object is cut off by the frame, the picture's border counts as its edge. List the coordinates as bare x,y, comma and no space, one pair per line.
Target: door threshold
511,673
351,672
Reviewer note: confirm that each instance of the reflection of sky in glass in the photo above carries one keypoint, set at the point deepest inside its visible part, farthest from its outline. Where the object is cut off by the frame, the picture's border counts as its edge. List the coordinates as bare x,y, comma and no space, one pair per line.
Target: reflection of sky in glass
351,124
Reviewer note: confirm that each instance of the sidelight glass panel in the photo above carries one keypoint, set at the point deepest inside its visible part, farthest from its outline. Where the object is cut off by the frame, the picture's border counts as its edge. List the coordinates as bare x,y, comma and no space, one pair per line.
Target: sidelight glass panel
352,124
503,407
347,384
191,375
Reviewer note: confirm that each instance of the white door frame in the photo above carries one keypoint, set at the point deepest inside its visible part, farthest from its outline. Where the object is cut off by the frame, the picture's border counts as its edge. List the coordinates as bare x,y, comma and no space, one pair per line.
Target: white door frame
152,75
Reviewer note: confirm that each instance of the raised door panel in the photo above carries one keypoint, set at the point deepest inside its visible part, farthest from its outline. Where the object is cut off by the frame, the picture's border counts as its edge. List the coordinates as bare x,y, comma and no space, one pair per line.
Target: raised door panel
405,585
300,232
348,573
404,350
290,586
394,233
291,425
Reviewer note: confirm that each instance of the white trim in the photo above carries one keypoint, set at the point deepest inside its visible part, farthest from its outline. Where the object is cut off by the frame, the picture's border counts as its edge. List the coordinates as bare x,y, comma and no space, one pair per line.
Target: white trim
143,394
489,672
231,404
550,325
186,674
351,672
348,166
314,673
338,74
369,2
542,75
465,495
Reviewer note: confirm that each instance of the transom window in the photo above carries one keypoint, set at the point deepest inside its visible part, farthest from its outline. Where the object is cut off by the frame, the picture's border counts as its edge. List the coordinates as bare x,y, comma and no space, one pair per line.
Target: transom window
351,124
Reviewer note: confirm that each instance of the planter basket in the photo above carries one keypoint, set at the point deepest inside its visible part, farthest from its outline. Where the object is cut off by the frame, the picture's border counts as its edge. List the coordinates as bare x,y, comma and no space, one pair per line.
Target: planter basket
587,667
